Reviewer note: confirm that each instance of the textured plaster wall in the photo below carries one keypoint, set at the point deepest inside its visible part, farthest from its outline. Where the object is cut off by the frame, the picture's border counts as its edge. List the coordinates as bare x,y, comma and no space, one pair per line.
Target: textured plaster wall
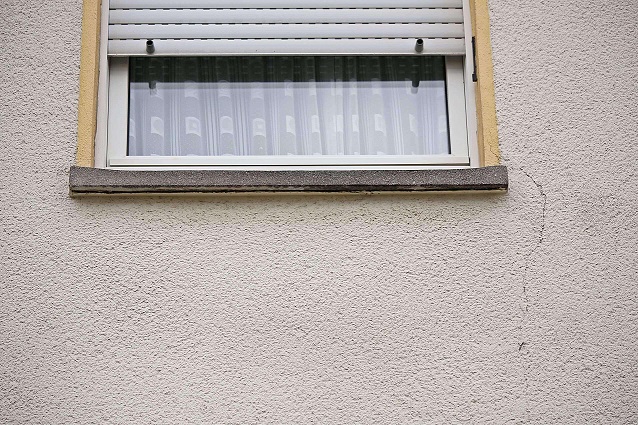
480,308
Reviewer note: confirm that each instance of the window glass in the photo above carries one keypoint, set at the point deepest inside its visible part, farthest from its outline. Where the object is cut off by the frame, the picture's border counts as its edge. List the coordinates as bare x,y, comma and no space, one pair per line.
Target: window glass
282,105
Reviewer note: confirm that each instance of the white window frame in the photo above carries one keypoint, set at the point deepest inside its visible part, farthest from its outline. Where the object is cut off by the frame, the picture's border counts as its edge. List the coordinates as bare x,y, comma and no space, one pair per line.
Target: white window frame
113,115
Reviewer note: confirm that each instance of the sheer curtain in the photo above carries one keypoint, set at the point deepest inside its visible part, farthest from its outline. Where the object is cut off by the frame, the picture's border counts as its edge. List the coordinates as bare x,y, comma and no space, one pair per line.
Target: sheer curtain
338,105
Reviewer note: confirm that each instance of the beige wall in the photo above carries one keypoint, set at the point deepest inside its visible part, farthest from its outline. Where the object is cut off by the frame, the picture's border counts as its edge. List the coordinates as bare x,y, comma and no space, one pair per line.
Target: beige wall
518,307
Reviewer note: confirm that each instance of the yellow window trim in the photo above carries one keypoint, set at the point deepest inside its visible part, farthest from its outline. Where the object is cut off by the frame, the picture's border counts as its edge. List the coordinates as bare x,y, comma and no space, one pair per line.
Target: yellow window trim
485,98
90,62
89,73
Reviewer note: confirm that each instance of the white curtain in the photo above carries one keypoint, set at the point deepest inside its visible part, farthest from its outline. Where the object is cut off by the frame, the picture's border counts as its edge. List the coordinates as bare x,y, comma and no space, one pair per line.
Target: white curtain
288,106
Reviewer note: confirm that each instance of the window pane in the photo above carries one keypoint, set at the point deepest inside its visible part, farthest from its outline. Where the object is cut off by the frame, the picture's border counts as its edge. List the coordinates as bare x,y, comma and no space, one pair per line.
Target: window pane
335,105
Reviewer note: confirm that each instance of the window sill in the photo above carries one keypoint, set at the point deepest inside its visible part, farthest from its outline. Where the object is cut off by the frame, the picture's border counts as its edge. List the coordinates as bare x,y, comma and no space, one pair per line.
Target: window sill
86,181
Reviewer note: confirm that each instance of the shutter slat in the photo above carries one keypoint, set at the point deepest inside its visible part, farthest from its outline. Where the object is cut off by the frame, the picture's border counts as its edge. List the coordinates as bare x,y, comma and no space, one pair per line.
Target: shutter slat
280,4
184,27
287,31
287,47
280,16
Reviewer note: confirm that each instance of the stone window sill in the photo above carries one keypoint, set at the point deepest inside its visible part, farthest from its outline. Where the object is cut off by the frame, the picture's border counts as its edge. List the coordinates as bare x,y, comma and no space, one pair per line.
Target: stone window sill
86,181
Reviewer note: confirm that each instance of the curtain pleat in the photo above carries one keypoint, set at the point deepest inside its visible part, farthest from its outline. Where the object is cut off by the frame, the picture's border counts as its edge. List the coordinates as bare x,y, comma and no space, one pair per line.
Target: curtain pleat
337,105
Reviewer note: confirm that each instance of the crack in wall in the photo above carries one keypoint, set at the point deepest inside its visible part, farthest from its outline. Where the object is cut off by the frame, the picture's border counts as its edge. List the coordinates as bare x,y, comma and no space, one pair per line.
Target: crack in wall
523,345
498,156
528,263
541,233
541,236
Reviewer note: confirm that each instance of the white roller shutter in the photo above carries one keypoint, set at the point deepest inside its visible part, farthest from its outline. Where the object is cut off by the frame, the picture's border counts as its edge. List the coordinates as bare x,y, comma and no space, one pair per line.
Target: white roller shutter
306,27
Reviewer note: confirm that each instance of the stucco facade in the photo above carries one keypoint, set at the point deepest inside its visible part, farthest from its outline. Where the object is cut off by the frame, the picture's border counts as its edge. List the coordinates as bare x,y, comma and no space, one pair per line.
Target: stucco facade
516,307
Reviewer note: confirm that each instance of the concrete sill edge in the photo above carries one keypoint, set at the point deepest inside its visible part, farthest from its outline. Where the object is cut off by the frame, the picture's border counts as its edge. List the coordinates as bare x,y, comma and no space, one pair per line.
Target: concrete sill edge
85,180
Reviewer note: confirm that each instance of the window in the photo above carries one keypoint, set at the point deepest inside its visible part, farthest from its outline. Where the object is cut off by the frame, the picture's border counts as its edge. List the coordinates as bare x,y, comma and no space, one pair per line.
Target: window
243,121
263,84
